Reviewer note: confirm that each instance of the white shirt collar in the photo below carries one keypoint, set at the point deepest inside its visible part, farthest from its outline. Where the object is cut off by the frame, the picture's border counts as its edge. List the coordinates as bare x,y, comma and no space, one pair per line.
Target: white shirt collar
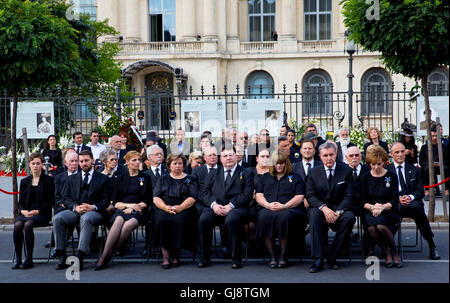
155,167
209,167
333,168
232,170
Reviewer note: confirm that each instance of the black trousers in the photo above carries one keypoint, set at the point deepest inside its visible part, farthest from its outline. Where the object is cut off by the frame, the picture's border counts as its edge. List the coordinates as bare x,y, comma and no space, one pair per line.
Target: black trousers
233,223
415,210
319,233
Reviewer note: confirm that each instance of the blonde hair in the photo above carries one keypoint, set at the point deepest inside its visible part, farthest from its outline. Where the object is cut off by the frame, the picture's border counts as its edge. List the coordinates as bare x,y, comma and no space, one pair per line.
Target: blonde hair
376,153
131,154
195,155
280,157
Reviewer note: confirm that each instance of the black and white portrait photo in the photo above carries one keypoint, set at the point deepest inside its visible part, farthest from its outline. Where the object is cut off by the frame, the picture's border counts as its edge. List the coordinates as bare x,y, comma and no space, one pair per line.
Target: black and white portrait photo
43,123
192,121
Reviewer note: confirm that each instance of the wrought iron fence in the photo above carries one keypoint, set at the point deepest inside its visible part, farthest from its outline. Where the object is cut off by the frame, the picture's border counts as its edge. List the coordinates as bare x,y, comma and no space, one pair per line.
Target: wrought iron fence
153,109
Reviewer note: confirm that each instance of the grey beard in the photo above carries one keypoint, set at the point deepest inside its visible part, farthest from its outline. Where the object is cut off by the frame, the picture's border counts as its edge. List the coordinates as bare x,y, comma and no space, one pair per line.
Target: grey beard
344,141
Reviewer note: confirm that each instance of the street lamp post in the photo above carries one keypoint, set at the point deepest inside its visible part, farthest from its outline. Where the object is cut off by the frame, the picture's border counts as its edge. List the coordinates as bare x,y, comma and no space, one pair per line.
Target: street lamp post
350,49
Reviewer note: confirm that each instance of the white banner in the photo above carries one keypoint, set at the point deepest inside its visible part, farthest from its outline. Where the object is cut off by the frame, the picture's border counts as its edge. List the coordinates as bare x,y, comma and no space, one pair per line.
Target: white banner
256,114
37,117
200,115
439,108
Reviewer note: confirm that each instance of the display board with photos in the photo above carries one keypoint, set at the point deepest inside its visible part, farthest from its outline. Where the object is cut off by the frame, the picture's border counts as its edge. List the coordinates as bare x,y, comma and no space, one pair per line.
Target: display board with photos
257,114
438,107
200,115
37,117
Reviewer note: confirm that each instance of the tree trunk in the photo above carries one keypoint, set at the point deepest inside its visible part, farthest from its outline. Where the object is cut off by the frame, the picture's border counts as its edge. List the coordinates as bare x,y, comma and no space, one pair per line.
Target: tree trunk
432,202
14,151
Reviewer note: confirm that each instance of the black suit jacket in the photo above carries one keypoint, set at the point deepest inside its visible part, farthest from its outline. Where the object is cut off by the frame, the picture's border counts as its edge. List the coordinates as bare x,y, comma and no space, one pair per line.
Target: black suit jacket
380,142
121,186
98,191
83,147
365,169
45,194
240,191
340,156
299,170
60,183
339,197
153,177
413,178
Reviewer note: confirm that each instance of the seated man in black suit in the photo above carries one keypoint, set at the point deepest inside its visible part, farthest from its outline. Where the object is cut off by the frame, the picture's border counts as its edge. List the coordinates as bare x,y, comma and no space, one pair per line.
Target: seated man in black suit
353,159
411,194
226,195
86,196
329,191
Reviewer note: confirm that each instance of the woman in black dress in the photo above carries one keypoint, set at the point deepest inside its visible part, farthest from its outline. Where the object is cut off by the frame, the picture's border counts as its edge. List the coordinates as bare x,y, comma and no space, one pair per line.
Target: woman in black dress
262,167
374,137
174,217
280,194
36,199
408,140
131,197
54,154
294,149
379,195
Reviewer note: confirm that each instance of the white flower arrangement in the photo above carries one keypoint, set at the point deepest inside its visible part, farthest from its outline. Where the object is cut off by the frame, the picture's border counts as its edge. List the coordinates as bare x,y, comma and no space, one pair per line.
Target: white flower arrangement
357,136
65,142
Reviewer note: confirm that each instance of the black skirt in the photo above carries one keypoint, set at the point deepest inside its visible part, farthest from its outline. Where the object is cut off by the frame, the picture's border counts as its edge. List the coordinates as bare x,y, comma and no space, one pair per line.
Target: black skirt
285,224
39,220
175,231
387,218
140,217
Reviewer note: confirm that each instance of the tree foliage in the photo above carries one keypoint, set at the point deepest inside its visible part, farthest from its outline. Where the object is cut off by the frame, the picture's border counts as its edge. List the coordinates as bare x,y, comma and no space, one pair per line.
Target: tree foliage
411,35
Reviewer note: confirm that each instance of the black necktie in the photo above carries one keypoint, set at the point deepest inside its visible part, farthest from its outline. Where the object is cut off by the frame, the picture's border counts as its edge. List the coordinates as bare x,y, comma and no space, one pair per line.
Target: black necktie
228,179
78,149
211,170
355,174
157,172
86,179
330,177
308,170
401,180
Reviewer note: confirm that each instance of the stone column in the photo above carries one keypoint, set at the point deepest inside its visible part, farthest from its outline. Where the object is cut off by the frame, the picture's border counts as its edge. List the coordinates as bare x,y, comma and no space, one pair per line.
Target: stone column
209,20
232,17
189,29
107,9
288,11
132,21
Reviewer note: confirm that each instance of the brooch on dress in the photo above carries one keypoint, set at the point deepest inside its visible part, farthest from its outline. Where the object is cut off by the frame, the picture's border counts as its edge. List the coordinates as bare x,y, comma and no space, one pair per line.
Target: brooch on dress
141,181
387,180
290,178
188,180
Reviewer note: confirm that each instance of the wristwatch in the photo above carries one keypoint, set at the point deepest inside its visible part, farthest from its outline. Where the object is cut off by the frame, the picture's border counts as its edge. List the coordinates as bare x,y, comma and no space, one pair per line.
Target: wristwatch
340,212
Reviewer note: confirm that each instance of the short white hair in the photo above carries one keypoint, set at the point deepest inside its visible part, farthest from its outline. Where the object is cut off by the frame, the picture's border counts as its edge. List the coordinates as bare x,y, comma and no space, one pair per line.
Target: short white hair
152,148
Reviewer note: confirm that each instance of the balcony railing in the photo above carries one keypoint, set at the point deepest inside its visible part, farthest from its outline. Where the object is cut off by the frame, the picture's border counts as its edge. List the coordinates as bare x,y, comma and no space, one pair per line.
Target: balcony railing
258,47
319,45
168,47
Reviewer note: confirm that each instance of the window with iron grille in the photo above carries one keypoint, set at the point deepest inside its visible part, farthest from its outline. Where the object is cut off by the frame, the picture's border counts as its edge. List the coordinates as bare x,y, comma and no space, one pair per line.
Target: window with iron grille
376,92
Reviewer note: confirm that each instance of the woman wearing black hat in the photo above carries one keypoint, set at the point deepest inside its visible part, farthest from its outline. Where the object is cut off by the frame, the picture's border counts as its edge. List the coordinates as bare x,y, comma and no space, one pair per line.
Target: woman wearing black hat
407,138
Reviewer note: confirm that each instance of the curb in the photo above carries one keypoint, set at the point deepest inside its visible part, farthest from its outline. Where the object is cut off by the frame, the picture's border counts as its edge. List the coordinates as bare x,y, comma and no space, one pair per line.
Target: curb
405,225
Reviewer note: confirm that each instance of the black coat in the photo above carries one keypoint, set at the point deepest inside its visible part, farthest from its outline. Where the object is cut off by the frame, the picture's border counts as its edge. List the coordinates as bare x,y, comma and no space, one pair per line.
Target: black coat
383,144
99,191
365,169
298,169
340,156
240,191
154,178
83,147
339,197
413,178
60,183
45,195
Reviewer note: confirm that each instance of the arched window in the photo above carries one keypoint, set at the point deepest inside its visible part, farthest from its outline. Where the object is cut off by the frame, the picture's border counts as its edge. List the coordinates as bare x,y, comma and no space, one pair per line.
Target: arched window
261,20
317,98
376,92
438,82
259,84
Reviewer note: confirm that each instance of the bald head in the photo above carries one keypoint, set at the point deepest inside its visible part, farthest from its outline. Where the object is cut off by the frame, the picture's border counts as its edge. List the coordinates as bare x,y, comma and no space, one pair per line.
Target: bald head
115,143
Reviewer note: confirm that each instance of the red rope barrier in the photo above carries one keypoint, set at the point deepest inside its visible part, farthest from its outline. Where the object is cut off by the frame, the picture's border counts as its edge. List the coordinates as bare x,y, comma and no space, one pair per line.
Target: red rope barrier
9,193
434,185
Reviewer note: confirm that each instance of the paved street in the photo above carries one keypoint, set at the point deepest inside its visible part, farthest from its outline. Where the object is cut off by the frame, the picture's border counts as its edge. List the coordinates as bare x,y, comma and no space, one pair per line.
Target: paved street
417,268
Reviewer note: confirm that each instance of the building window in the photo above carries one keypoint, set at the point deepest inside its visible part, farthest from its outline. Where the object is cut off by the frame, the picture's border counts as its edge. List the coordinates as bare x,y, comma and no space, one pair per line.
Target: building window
259,84
438,82
261,20
317,97
88,7
317,21
162,20
376,92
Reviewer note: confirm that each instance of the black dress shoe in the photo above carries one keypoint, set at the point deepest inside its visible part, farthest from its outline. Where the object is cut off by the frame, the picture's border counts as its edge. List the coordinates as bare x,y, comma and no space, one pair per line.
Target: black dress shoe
204,263
27,264
100,267
144,253
389,264
53,254
332,263
236,265
398,265
316,266
283,263
61,262
166,266
434,254
16,264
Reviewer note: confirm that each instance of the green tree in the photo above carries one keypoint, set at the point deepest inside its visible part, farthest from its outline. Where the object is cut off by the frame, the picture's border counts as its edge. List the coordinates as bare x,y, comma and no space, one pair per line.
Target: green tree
411,36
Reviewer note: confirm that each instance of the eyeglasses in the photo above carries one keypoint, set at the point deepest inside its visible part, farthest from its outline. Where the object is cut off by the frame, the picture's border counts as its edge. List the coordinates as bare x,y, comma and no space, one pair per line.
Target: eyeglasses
354,155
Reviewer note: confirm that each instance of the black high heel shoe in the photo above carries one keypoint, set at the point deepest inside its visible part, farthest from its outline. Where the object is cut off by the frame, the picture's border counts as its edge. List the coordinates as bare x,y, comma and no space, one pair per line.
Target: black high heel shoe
17,263
273,263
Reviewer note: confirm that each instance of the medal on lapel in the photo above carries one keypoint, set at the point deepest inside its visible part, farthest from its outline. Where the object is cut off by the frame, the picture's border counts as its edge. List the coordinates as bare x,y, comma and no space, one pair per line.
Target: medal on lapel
290,178
240,176
387,180
141,181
